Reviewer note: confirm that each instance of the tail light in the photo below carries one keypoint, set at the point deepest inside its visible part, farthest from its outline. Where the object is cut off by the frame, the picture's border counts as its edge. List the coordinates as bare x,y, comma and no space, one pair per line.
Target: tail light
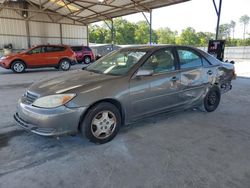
234,74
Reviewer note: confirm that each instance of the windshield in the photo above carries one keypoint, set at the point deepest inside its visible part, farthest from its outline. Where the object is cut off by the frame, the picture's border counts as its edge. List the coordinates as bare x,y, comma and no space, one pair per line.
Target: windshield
117,63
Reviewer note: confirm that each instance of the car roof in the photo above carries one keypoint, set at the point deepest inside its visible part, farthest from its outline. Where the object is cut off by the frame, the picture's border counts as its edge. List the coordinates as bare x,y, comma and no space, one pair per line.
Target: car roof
51,45
154,47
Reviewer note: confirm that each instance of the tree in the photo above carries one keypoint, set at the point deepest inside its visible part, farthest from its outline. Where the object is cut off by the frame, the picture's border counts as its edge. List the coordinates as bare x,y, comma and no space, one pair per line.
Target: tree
232,25
245,21
224,31
124,31
142,33
204,38
166,36
188,37
97,34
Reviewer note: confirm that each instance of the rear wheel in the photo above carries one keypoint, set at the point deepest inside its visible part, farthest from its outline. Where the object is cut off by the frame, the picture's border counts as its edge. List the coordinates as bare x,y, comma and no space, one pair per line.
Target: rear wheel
101,123
212,100
86,59
64,65
18,66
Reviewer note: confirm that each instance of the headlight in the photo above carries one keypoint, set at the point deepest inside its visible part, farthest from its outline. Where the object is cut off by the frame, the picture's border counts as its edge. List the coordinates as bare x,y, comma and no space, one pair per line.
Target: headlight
4,57
53,101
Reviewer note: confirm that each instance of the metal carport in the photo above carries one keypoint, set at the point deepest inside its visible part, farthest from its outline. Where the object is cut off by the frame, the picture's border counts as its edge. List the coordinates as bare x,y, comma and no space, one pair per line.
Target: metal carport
76,12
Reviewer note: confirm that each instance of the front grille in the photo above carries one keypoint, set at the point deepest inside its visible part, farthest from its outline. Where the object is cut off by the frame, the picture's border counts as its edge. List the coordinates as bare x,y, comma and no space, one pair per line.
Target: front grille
30,97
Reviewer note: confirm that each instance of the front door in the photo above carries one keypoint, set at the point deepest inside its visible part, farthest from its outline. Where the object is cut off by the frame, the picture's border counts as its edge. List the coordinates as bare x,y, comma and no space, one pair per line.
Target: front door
33,57
159,91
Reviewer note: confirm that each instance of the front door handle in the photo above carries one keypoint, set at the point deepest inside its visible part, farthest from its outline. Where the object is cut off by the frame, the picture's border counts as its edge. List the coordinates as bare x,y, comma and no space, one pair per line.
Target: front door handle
209,72
174,79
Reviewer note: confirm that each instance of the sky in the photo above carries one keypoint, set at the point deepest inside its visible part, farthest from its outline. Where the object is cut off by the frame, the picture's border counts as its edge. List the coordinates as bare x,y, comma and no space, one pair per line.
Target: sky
199,14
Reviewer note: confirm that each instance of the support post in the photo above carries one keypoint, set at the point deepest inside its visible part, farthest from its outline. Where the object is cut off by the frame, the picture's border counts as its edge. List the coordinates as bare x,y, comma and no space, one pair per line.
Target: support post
150,28
150,24
218,12
27,33
61,41
87,35
112,35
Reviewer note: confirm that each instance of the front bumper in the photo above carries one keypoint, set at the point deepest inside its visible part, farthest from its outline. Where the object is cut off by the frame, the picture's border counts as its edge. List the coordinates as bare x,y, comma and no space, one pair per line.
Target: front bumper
48,122
4,63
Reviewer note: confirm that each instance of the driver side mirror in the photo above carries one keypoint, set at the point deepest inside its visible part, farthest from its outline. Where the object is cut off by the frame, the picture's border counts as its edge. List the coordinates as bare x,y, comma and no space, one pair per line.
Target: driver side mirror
144,72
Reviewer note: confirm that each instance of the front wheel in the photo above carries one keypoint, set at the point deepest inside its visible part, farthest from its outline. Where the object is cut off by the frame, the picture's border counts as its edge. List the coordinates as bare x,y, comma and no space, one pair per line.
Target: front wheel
64,65
18,67
101,123
212,100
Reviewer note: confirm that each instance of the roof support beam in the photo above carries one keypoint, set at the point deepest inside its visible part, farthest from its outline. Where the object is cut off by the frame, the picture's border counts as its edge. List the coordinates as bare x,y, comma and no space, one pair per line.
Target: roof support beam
149,21
112,30
93,16
218,12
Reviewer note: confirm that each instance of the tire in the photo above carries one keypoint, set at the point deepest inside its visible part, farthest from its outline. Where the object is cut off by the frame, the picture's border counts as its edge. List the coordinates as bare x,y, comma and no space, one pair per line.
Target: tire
212,100
18,66
87,59
64,65
101,123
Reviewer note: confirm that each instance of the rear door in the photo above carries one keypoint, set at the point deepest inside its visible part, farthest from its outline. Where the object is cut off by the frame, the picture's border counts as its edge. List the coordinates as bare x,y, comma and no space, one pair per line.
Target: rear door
193,78
53,55
160,91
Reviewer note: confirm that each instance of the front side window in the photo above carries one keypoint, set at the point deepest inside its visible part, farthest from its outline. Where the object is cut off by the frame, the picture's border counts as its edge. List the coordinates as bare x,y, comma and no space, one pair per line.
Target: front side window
189,59
36,50
160,62
117,63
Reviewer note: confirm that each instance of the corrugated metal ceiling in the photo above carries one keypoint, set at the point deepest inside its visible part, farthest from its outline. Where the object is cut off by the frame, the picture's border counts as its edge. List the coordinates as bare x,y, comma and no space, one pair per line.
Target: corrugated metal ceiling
89,11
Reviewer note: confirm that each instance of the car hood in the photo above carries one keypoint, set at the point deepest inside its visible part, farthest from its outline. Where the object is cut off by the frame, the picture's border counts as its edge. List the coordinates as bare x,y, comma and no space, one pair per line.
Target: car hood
68,83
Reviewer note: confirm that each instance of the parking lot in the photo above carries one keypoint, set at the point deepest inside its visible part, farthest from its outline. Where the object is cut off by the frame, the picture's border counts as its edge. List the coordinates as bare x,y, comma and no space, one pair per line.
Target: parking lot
185,149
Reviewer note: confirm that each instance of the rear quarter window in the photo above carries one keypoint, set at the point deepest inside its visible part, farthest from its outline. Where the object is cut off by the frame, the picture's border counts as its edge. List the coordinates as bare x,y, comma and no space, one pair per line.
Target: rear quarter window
87,49
76,48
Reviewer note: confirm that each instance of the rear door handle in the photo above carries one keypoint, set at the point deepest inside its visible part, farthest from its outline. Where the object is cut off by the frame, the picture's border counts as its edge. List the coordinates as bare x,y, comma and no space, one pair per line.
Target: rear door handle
209,72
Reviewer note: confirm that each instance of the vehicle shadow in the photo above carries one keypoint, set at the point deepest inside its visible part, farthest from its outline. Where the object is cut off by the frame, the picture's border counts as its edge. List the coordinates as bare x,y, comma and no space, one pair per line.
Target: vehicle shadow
40,70
157,119
21,149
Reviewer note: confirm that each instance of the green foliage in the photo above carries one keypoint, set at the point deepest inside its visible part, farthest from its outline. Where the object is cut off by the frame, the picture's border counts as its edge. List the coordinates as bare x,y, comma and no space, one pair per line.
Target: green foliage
166,36
126,32
188,37
97,34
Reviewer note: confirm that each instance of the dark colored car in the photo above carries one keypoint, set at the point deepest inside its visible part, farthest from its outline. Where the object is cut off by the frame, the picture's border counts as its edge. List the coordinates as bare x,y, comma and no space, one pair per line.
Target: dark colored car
83,54
58,56
122,87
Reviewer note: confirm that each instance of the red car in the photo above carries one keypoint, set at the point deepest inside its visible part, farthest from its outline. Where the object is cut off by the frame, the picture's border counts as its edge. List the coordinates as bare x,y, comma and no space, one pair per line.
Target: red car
58,56
83,54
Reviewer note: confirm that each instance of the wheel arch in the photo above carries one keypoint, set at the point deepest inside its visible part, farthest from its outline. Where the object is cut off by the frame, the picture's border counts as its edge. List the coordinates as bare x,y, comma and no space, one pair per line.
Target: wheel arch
115,102
64,58
18,59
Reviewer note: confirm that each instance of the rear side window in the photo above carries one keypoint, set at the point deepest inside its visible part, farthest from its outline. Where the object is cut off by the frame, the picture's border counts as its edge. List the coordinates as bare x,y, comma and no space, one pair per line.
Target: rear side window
76,48
87,49
189,59
55,48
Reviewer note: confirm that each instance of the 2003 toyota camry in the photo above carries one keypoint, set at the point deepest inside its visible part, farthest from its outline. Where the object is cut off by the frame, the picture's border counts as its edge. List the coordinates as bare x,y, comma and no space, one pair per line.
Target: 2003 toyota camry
122,87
